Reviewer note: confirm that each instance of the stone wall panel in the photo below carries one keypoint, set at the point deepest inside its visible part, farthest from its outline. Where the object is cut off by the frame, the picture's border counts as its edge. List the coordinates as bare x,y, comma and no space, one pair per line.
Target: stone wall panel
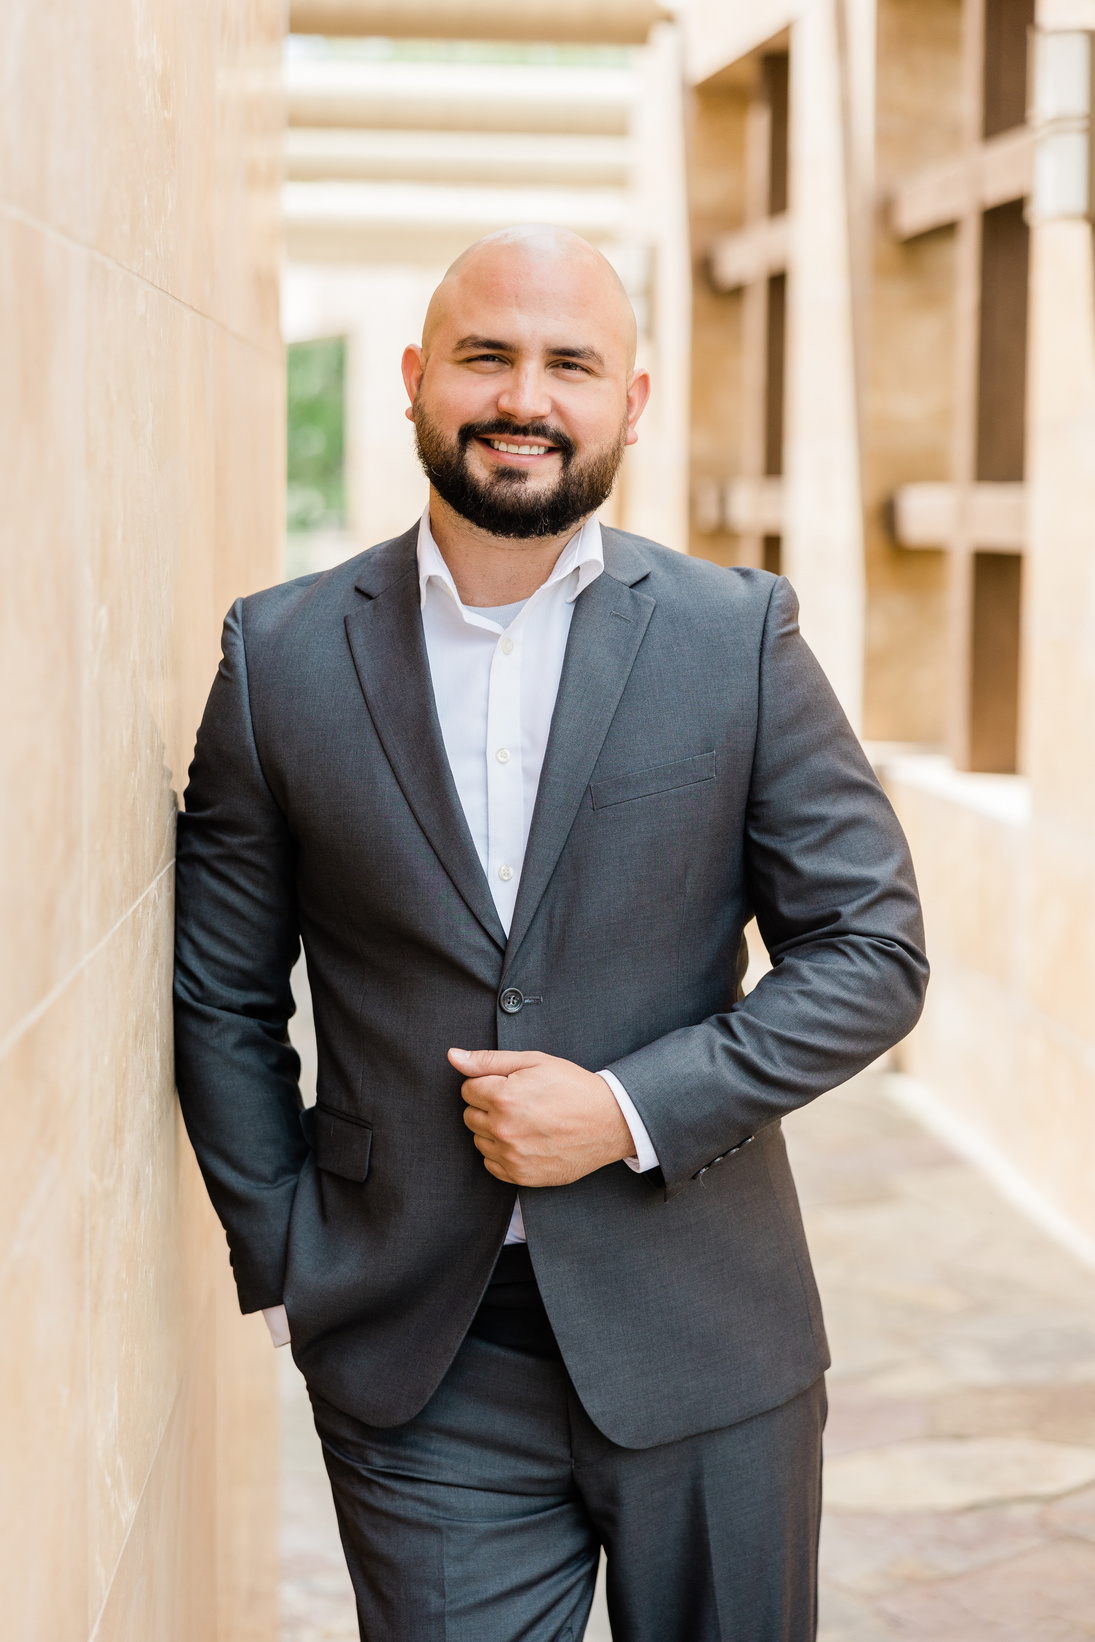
141,460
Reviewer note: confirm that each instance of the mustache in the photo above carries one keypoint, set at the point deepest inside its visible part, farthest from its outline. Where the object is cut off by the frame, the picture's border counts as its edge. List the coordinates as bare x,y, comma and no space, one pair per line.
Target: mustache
538,432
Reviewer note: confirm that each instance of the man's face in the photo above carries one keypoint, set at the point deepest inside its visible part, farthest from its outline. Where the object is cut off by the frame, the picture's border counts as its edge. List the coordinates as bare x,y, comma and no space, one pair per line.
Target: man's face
525,397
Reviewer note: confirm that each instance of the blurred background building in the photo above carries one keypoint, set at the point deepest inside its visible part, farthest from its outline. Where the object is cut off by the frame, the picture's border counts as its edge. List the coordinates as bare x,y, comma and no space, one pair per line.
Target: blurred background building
858,238
893,402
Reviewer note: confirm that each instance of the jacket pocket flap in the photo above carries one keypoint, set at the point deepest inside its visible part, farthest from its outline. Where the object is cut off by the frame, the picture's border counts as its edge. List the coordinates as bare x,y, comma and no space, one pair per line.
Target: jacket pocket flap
342,1144
617,789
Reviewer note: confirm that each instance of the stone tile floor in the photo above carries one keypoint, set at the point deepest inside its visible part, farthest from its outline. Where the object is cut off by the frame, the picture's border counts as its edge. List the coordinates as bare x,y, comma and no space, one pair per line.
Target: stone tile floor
960,1451
963,1375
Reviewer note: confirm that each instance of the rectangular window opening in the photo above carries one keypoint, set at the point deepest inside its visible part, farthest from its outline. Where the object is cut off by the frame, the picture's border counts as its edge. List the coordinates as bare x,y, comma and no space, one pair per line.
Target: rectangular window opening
1005,74
774,371
773,554
1002,362
994,671
776,73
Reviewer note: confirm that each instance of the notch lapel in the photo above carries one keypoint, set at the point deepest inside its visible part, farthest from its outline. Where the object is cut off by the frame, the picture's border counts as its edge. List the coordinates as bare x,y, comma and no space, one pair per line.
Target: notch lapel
384,629
608,626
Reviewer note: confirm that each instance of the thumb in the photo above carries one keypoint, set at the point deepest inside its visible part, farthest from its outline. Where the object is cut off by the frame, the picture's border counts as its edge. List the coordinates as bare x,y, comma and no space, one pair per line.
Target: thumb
497,1063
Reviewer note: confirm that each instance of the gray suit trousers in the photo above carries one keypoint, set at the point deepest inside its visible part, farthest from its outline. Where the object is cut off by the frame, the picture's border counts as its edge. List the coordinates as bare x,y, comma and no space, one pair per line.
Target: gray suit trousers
481,1519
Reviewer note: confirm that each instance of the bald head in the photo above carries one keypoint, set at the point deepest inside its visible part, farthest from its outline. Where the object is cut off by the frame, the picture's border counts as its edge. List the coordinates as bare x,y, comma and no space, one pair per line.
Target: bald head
524,392
534,264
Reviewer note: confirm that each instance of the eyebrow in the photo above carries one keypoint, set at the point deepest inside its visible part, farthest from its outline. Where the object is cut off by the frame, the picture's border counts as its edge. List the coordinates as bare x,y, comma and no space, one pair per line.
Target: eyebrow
467,343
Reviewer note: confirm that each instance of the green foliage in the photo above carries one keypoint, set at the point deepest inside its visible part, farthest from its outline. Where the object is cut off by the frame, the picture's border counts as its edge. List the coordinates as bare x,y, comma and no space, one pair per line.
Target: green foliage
316,489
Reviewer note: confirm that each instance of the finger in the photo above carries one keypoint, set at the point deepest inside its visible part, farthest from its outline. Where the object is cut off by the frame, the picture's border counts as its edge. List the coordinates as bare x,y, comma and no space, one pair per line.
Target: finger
478,1063
497,1171
489,1147
479,1122
487,1138
483,1092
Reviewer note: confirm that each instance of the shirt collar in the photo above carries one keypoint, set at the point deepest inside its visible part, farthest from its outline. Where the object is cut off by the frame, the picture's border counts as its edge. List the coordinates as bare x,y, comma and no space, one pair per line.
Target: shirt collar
584,553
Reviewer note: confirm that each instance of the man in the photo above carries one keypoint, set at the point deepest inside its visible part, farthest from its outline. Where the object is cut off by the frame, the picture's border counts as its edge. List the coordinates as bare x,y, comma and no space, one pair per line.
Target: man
518,782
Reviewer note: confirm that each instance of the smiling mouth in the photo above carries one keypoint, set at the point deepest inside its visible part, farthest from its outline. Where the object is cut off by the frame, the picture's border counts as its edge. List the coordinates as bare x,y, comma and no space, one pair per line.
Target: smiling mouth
509,448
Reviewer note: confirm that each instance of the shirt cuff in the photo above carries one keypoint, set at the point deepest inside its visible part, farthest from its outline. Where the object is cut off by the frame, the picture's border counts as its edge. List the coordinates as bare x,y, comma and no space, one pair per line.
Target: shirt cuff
645,1156
277,1322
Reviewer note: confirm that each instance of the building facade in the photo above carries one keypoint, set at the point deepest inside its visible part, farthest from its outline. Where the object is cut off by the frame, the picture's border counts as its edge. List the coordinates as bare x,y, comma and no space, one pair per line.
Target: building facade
893,390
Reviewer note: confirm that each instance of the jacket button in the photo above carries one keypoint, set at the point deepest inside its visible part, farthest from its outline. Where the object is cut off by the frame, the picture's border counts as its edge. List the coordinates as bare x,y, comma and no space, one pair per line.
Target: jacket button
512,1001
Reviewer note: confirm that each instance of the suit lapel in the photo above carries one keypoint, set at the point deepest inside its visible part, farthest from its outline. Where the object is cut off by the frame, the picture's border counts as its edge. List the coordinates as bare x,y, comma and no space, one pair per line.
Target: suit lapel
384,629
609,623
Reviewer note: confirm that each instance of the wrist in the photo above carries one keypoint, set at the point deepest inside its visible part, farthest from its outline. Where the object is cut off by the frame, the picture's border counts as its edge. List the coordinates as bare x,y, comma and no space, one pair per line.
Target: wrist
619,1142
642,1156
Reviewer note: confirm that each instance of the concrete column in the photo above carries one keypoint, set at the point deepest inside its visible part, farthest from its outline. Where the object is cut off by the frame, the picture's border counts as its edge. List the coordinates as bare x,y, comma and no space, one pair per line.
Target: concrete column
823,532
655,480
1058,703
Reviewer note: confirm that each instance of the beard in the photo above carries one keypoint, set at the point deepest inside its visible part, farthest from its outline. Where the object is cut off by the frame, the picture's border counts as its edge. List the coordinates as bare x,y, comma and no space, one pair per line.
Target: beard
505,504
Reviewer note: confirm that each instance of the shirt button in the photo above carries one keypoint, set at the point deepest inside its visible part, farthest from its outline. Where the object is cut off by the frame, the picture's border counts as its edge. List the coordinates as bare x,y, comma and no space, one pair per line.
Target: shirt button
507,647
505,873
502,755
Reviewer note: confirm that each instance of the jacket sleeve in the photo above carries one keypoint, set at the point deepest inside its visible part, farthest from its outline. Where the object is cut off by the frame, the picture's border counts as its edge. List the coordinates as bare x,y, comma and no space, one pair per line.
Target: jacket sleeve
834,893
235,944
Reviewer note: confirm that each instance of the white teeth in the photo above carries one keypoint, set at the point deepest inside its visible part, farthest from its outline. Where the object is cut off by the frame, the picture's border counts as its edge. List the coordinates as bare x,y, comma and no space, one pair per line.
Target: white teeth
520,450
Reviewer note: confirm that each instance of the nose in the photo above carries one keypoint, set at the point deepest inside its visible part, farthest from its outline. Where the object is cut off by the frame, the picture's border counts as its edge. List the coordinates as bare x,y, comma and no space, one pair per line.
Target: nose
525,396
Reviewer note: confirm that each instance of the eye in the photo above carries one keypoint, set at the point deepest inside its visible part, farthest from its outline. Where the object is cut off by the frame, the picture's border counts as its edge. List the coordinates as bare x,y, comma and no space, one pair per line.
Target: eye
571,365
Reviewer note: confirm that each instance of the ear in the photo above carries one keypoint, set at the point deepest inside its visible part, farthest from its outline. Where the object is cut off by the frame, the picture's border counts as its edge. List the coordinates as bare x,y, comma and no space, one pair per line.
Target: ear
638,392
414,363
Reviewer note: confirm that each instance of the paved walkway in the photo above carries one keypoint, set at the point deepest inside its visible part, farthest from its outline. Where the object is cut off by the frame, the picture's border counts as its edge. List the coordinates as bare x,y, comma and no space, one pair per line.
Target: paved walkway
960,1452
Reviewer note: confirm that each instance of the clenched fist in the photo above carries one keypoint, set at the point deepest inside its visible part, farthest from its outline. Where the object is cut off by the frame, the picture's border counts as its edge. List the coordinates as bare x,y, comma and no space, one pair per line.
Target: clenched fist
539,1120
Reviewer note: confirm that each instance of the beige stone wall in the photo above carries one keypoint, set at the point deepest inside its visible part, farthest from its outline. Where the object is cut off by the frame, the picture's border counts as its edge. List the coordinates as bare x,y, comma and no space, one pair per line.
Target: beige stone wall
141,460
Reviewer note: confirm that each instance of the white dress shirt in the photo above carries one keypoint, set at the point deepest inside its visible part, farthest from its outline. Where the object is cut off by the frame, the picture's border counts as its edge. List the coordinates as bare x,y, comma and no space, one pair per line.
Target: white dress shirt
495,676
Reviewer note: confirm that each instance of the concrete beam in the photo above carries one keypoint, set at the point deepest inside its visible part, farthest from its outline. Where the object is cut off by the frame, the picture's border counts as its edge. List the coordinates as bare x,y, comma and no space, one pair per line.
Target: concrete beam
992,517
503,97
456,156
752,253
717,35
383,222
996,171
608,22
754,506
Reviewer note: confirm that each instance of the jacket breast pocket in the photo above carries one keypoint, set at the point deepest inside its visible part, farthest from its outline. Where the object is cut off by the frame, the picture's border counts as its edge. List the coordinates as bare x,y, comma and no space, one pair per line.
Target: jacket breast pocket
683,772
342,1144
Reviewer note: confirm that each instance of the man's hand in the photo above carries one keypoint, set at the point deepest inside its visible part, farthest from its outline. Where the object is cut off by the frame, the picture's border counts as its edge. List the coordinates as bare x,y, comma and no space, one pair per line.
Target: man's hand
539,1120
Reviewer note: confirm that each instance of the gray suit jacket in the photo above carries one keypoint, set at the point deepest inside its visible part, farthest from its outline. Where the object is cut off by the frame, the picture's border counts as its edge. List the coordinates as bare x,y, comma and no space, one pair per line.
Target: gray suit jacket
698,770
